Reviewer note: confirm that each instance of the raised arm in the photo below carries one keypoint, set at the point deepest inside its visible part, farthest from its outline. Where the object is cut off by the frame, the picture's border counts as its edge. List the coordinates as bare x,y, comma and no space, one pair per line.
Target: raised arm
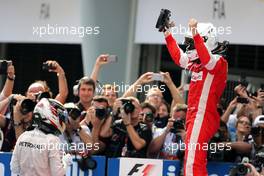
175,93
176,53
9,84
63,86
100,61
232,105
143,79
206,57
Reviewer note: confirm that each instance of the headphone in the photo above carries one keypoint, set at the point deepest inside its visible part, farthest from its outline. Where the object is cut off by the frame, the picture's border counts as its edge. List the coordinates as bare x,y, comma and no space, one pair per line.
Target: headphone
76,87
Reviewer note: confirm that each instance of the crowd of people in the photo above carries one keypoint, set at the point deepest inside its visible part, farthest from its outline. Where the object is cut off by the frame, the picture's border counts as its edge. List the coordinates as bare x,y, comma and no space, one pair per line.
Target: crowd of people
117,125
114,125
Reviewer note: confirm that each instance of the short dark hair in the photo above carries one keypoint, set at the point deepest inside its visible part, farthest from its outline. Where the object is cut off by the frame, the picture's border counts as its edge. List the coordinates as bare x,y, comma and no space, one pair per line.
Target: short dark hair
87,81
148,105
100,99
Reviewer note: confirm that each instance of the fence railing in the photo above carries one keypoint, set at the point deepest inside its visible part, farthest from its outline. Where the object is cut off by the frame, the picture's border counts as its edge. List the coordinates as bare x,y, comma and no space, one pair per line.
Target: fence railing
127,166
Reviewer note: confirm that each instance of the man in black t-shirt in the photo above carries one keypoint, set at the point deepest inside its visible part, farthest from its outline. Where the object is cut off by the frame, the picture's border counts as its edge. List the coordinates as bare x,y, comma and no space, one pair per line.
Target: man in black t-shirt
128,137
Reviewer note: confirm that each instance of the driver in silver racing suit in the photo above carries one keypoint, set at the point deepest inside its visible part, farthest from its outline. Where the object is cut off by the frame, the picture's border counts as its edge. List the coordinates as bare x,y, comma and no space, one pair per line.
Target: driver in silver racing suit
37,152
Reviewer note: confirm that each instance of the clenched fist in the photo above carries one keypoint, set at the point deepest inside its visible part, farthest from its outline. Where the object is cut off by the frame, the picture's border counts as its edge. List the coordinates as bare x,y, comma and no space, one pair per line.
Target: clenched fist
193,26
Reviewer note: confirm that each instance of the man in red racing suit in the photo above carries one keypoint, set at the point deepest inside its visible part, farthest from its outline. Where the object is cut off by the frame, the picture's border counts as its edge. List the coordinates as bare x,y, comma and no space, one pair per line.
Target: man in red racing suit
208,81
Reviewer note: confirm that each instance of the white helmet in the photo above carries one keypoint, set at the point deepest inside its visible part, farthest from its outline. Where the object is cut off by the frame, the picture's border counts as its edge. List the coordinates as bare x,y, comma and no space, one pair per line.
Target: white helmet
209,34
50,116
259,120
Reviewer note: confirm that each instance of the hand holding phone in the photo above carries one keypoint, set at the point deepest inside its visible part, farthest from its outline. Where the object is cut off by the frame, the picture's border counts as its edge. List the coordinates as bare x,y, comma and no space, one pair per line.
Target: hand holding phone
157,77
242,100
112,58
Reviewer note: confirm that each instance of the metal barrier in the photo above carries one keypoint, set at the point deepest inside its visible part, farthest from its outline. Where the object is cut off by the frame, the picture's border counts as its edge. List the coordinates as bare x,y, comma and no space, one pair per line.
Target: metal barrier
127,166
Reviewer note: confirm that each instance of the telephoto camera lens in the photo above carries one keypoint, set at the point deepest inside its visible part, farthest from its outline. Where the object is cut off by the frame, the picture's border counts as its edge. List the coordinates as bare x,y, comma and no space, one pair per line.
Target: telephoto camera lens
73,110
177,125
74,113
242,169
27,105
149,117
128,106
101,113
42,95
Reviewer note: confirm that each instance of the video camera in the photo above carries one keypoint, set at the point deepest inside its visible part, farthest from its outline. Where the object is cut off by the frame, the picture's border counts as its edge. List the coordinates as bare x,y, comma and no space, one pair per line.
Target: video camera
163,21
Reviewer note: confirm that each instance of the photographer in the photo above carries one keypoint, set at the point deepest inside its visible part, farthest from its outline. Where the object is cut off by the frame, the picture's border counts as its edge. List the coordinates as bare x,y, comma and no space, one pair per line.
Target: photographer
253,170
258,145
128,137
147,114
8,87
111,93
154,95
252,103
95,117
166,143
256,165
76,134
17,122
41,86
218,152
179,111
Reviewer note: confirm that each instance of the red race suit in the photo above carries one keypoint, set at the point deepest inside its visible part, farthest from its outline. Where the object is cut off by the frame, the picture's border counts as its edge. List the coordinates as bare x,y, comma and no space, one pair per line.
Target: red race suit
207,84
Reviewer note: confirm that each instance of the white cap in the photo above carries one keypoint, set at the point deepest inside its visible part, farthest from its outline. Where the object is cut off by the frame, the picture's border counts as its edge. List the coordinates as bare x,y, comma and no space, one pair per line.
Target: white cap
70,106
258,121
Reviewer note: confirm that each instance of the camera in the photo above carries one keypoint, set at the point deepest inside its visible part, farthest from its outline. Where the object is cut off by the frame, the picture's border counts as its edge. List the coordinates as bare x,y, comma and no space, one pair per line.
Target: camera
3,66
177,126
242,100
149,117
27,105
163,20
39,96
128,106
101,113
47,67
258,160
73,111
240,169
